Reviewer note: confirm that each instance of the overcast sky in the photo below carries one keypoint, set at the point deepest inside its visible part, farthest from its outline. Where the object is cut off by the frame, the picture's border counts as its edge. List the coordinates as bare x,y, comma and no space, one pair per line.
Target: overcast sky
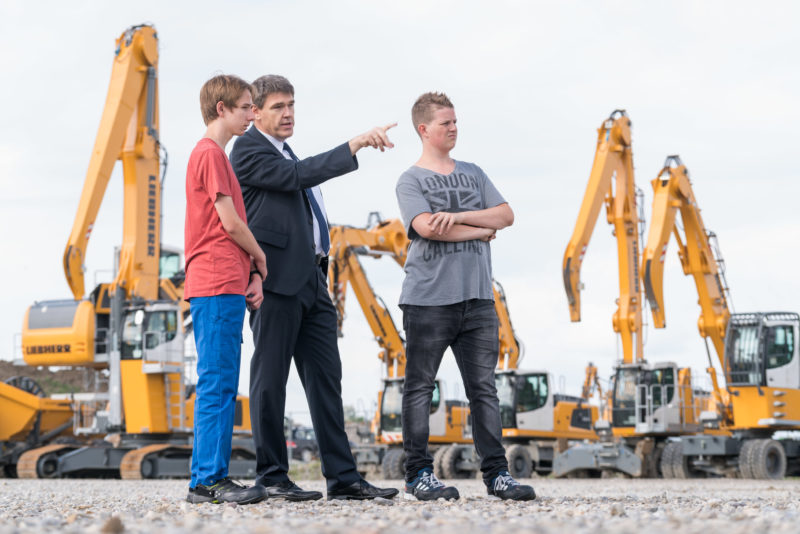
716,82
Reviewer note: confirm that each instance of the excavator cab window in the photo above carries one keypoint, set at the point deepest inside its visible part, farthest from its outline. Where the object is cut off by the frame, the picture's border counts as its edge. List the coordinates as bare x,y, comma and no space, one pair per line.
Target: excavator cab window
662,385
532,392
741,355
152,327
624,400
505,393
780,346
436,397
391,407
169,264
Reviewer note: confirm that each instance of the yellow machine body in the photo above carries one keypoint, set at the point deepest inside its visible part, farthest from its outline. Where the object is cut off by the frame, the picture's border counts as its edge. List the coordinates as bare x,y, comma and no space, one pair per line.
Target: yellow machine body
59,333
21,409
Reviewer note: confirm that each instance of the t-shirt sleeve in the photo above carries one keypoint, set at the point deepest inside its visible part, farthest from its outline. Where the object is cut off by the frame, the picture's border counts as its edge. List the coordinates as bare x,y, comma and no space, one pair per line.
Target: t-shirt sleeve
411,202
491,195
215,174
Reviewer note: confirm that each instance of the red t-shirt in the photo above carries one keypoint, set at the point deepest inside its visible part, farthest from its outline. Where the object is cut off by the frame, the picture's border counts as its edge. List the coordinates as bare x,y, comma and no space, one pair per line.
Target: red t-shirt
215,264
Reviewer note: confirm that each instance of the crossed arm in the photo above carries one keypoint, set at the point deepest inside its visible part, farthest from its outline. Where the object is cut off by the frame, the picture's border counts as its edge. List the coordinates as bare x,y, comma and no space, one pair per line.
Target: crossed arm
464,225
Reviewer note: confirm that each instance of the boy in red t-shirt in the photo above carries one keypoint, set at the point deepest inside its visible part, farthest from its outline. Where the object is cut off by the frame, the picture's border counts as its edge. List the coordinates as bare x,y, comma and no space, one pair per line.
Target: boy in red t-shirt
225,269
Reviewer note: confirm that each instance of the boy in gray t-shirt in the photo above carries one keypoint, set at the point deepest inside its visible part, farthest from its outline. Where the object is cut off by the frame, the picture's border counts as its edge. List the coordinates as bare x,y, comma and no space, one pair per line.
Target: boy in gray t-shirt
451,211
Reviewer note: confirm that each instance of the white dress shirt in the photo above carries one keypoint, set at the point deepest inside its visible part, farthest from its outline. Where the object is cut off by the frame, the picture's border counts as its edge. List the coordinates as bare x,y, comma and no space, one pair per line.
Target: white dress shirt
314,190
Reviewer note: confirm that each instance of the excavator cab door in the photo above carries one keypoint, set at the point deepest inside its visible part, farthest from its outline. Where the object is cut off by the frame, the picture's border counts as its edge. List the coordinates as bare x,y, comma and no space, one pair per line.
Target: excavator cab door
780,354
623,401
153,334
658,406
534,401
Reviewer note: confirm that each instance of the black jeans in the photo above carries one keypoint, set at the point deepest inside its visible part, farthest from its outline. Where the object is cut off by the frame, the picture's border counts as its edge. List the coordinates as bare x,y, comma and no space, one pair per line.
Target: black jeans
470,329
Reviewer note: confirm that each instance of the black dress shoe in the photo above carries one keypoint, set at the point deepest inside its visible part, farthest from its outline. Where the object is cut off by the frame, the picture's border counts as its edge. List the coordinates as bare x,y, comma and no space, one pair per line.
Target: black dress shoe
361,490
291,492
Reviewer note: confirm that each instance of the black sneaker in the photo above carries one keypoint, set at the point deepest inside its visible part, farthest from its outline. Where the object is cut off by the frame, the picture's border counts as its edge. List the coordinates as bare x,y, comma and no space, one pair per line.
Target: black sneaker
505,487
226,490
426,487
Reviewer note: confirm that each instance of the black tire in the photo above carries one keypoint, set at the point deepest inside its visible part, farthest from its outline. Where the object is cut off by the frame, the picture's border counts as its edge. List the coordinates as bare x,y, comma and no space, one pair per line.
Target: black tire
681,465
744,458
26,384
768,460
652,462
437,461
666,458
47,466
450,459
520,464
393,465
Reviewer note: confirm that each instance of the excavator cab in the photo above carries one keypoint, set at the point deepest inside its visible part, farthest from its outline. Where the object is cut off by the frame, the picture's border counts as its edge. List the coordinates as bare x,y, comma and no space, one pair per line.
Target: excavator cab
525,399
449,420
655,399
762,350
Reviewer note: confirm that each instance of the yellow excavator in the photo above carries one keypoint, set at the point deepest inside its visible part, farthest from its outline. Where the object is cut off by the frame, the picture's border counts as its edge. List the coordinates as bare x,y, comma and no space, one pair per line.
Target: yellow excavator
131,329
649,402
757,352
533,416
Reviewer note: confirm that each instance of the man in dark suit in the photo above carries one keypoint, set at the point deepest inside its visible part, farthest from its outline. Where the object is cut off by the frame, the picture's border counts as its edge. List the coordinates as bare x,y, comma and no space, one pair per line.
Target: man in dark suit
287,217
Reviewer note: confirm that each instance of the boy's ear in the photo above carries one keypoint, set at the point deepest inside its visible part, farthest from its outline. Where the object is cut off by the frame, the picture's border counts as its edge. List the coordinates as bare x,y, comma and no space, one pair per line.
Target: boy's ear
220,107
422,128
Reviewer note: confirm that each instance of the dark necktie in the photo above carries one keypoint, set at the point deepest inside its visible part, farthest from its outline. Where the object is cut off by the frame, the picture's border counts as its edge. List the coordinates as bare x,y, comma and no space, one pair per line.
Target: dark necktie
324,237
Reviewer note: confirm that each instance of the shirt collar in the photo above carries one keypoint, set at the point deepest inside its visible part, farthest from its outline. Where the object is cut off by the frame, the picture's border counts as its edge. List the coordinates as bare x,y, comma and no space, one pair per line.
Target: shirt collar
275,142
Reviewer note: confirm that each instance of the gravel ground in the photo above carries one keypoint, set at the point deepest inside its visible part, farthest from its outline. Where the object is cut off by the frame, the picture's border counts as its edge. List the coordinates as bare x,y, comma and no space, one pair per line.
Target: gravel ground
597,505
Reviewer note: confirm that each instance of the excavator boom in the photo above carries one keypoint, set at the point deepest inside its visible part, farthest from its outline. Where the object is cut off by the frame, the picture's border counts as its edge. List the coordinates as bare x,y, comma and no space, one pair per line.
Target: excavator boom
128,131
611,181
672,192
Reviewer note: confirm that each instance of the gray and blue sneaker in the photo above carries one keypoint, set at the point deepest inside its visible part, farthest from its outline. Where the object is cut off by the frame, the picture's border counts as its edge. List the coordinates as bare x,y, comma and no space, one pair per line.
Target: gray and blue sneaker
505,487
426,487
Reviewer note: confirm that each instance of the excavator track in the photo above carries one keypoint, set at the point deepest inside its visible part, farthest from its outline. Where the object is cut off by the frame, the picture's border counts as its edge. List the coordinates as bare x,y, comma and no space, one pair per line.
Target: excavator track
28,463
131,466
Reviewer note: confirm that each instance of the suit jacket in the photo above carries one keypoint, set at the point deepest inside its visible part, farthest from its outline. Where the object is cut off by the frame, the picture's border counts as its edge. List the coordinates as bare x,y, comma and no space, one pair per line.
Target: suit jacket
278,213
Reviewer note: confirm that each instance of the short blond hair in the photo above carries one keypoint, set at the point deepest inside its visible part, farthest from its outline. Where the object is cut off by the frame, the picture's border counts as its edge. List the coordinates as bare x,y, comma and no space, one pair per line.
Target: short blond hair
225,88
423,109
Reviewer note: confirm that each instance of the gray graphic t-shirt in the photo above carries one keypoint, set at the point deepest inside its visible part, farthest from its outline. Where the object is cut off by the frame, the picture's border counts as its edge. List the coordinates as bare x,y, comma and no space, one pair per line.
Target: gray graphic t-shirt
440,272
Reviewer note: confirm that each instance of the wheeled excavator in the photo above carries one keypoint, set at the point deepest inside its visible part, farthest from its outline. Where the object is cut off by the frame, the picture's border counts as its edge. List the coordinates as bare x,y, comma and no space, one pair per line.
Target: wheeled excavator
757,352
131,329
633,437
533,416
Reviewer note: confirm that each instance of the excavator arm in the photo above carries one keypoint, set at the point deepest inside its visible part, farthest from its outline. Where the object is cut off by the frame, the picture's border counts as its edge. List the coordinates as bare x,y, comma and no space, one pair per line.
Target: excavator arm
347,243
673,193
510,352
611,182
128,131
699,256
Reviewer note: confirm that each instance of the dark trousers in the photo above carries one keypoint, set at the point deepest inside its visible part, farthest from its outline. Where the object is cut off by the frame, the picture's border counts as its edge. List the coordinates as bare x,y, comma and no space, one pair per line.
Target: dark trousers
303,325
470,329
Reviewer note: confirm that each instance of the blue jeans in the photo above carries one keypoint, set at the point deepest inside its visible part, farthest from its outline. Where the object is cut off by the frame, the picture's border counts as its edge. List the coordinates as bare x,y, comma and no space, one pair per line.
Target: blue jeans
217,324
470,329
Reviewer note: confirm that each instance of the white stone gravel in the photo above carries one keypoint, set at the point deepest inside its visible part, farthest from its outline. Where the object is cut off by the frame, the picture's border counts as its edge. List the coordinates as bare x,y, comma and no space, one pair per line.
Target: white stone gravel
597,505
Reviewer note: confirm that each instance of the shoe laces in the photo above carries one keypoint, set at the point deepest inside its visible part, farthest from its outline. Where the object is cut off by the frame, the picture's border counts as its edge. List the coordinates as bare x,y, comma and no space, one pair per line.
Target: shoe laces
227,483
428,481
503,481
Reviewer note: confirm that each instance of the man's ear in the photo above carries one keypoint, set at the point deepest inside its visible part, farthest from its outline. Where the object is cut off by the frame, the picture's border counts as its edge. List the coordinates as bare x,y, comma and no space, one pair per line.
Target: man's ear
220,107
